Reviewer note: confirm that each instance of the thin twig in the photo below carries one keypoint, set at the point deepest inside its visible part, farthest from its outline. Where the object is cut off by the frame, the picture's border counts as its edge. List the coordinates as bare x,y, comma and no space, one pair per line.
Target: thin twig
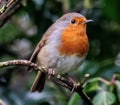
84,79
104,81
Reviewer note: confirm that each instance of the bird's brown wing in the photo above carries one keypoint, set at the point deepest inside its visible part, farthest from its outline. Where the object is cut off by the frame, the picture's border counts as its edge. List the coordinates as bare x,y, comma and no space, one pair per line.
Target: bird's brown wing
36,51
41,44
39,81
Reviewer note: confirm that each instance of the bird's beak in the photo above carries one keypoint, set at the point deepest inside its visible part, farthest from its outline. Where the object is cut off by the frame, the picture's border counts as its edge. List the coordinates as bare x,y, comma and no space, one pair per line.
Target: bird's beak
87,21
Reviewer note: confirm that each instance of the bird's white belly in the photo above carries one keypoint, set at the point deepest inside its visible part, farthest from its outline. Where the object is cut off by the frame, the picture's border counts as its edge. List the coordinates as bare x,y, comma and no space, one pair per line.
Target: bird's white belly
68,63
50,58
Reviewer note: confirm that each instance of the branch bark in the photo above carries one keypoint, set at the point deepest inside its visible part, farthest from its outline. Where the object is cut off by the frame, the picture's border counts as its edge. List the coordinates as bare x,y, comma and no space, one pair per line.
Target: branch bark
8,10
57,79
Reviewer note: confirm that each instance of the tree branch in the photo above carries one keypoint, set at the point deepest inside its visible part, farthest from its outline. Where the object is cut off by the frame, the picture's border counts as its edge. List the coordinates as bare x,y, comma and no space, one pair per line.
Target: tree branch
57,79
8,9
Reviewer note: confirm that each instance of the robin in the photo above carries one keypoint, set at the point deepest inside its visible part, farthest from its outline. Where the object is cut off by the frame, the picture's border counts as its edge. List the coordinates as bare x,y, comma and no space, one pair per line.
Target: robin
62,48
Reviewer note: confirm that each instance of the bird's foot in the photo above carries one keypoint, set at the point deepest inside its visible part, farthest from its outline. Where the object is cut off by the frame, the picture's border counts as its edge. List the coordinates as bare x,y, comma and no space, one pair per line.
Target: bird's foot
51,72
74,83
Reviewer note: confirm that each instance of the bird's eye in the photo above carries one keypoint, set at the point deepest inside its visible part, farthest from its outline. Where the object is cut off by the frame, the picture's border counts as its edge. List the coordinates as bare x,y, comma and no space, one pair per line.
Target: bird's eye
73,21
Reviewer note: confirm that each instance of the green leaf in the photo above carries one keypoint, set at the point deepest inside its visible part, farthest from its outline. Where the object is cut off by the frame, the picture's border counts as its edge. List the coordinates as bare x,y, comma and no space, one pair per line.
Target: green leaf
92,85
104,98
74,99
118,89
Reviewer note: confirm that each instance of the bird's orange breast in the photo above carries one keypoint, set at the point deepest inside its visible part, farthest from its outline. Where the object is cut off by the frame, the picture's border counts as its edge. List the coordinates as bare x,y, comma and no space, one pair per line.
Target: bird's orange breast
74,41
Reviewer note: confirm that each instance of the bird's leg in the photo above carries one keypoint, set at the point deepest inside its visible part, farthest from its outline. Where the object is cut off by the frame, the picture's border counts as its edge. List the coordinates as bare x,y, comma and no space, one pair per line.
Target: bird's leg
71,81
50,73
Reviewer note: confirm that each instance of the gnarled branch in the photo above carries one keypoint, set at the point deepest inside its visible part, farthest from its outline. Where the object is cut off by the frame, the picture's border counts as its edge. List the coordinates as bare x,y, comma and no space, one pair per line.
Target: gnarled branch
8,9
55,78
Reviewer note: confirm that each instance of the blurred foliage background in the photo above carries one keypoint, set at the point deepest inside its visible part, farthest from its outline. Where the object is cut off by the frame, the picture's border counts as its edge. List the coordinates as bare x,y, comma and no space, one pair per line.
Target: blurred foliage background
21,33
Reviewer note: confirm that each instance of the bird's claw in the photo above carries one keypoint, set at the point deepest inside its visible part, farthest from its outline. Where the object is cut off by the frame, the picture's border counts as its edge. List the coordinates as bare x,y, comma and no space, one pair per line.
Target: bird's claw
74,87
50,73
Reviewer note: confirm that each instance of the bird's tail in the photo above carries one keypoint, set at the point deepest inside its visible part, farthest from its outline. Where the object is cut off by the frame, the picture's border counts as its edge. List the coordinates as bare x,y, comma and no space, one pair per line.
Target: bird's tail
39,82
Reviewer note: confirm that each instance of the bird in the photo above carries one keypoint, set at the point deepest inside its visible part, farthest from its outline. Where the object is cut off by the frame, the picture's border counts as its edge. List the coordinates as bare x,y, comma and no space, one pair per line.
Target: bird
62,48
